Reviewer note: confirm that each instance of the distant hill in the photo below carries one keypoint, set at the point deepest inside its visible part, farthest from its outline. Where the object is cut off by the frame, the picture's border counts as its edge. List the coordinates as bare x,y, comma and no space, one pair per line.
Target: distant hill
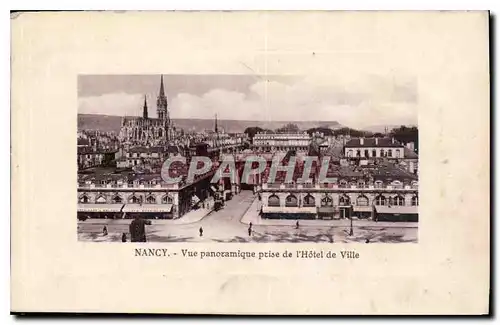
381,128
108,123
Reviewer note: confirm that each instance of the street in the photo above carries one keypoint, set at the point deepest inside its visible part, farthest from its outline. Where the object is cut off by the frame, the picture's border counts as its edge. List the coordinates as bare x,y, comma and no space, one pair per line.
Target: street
225,226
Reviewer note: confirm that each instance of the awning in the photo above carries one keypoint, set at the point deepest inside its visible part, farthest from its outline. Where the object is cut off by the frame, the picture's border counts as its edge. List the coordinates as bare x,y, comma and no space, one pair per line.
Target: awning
88,207
328,210
289,210
397,209
362,208
148,208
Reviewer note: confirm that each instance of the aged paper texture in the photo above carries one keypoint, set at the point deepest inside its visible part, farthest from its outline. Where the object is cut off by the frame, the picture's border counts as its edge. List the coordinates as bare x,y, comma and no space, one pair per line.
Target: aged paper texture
184,82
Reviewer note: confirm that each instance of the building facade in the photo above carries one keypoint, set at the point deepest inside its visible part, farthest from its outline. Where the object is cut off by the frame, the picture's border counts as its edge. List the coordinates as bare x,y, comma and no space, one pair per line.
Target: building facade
271,142
374,148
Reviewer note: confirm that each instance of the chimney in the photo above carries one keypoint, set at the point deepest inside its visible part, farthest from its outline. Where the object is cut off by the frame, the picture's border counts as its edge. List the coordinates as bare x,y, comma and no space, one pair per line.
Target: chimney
376,141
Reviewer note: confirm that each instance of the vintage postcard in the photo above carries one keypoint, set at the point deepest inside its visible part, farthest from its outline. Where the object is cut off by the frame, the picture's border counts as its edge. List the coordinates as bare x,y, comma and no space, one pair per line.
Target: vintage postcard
264,162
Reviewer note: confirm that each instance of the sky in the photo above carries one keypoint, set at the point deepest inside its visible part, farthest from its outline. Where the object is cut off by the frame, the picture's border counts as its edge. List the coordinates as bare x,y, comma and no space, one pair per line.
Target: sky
357,100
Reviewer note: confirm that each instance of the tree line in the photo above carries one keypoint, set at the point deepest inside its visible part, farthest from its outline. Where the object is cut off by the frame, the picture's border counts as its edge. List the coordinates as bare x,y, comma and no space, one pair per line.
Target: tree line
403,134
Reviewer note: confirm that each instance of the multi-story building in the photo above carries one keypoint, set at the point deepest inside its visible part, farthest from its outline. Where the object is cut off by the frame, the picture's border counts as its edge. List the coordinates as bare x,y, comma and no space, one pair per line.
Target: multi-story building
88,157
271,142
386,148
380,192
111,194
373,148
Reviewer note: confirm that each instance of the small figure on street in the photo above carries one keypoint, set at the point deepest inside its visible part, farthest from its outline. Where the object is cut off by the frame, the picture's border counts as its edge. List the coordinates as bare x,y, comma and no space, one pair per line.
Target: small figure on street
201,231
105,231
367,240
250,225
297,225
124,238
249,231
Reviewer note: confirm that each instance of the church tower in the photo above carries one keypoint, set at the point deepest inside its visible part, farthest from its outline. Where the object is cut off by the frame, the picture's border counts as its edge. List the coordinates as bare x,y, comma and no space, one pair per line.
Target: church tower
162,110
145,109
161,103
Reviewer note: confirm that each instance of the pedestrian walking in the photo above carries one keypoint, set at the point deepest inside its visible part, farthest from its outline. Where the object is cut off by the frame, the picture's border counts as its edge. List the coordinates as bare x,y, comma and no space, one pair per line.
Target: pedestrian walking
201,231
105,231
124,238
250,225
249,231
297,225
367,240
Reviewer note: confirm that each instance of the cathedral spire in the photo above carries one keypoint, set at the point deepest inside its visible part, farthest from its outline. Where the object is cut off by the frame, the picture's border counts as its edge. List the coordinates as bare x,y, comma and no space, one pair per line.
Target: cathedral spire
162,104
216,129
145,108
162,88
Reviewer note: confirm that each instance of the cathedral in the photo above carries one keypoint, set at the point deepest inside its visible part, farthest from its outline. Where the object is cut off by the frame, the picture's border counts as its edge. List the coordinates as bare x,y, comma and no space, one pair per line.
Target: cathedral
147,131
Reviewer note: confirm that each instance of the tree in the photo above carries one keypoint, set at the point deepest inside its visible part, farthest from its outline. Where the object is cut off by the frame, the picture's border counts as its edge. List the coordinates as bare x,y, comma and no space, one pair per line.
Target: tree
251,131
326,131
405,134
352,132
288,128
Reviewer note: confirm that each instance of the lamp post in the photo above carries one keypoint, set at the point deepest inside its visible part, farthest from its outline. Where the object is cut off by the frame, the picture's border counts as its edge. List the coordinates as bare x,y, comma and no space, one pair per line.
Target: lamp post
351,231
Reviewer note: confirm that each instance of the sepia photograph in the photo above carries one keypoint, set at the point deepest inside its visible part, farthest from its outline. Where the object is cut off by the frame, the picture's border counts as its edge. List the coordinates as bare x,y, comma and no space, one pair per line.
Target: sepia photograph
229,158
236,163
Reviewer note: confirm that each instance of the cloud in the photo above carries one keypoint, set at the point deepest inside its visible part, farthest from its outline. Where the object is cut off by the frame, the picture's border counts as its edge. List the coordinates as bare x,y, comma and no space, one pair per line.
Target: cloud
354,101
112,104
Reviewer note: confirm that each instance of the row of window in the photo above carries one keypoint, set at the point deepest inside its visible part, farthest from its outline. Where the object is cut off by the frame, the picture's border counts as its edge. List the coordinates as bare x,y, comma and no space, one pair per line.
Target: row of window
309,200
366,153
129,184
118,199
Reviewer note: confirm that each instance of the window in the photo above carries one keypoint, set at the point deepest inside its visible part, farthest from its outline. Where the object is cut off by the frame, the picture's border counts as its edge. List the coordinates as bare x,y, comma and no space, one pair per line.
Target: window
134,199
327,201
84,199
100,199
366,153
343,184
349,153
382,153
166,199
398,153
309,201
344,200
273,201
362,201
397,184
361,184
414,201
117,199
380,200
389,153
399,200
358,153
291,201
150,199
374,153
379,184
130,183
